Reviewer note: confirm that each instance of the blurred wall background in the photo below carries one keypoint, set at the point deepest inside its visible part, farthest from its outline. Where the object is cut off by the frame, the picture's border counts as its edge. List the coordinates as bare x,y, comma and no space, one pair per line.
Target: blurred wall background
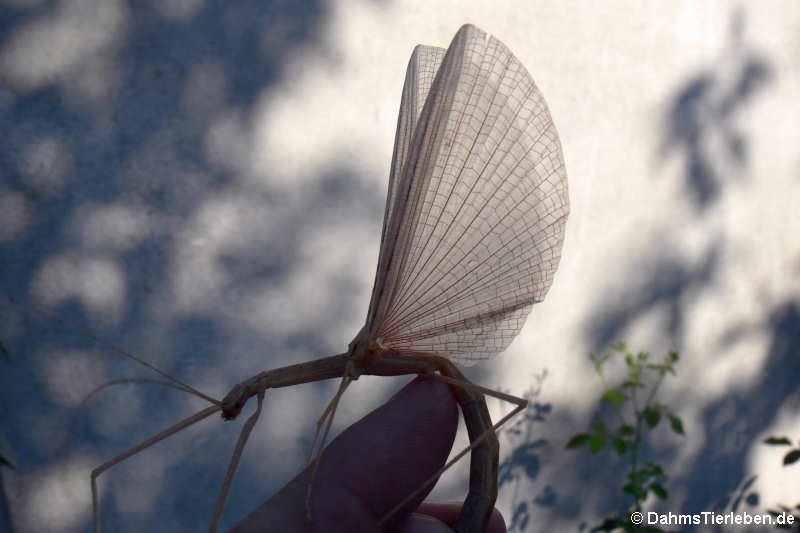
202,182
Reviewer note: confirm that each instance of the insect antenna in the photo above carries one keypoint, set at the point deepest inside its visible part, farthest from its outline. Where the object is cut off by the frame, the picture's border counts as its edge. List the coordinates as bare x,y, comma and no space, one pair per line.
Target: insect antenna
111,346
79,410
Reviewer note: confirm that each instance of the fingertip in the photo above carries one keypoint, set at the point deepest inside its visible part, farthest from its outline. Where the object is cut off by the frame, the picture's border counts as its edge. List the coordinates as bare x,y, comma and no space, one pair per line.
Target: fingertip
422,523
448,513
393,451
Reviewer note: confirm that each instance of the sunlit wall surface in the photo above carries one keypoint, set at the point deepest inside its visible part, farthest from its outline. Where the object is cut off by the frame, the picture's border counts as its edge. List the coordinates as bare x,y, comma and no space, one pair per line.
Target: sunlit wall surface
202,183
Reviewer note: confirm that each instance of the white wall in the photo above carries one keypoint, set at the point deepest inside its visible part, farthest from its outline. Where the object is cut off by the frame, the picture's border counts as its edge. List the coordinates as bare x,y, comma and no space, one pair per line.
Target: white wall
202,182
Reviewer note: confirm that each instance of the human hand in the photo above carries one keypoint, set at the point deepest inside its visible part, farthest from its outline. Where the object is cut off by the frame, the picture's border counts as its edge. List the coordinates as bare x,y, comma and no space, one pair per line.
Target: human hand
370,467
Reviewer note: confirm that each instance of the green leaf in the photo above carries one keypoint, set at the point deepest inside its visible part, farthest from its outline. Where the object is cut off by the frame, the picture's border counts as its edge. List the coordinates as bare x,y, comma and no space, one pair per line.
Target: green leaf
597,442
677,425
652,415
578,440
636,477
621,347
659,491
656,471
599,427
608,525
777,441
615,397
674,356
637,491
625,430
598,362
621,445
791,457
4,352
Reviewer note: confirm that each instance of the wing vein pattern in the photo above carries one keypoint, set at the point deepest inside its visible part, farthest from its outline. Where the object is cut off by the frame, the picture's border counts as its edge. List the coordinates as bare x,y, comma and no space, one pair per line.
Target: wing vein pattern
477,204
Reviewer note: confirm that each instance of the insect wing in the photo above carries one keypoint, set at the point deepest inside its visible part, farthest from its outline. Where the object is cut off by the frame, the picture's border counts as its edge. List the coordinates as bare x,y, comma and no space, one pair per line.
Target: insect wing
422,68
476,212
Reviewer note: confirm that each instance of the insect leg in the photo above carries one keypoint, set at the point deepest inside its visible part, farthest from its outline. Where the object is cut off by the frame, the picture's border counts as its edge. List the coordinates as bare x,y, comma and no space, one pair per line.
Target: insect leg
482,494
244,434
329,412
186,422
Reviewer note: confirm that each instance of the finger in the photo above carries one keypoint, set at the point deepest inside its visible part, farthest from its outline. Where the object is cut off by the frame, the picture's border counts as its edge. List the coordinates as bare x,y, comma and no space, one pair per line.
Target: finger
370,467
422,523
448,513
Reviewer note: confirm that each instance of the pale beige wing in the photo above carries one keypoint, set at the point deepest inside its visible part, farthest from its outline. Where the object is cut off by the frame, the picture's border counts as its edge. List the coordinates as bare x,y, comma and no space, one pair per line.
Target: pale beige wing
476,216
422,68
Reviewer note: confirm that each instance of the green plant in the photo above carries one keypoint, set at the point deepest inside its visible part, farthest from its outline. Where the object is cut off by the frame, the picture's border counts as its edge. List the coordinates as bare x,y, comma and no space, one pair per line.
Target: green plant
637,413
791,457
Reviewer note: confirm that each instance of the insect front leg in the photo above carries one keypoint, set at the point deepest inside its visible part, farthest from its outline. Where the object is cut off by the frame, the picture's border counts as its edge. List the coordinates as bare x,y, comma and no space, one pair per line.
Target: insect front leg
234,401
185,423
244,434
369,466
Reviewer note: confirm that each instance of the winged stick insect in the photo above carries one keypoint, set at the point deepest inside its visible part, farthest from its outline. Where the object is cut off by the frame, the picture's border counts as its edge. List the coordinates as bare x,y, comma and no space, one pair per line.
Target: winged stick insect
472,235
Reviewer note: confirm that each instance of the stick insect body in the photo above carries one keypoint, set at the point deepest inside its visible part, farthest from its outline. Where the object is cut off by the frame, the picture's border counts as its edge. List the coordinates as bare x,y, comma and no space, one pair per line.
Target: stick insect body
471,239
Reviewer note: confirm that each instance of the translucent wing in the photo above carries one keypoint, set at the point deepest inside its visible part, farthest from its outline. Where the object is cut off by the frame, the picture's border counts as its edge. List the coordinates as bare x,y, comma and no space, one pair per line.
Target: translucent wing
476,208
422,67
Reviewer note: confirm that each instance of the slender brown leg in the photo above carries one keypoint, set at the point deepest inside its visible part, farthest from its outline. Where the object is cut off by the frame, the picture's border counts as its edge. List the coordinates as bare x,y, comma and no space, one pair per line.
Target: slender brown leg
244,434
484,445
521,403
205,413
483,439
482,493
330,411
